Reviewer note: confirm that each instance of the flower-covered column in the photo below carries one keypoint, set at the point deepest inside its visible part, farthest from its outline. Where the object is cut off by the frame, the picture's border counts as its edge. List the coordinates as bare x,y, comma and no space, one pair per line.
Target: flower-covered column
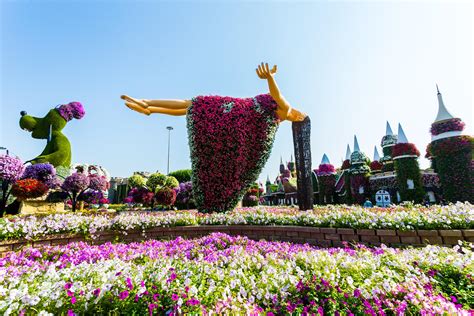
326,181
405,156
451,156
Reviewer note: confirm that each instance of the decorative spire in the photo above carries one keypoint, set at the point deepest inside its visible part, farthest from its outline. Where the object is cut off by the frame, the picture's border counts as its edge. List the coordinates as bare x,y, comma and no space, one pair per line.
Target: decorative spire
388,129
402,138
281,160
348,152
443,113
356,144
376,154
268,179
291,158
325,160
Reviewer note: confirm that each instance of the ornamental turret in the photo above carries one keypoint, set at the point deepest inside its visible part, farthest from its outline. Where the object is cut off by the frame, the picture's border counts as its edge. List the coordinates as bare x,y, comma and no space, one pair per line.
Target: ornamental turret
326,174
387,143
405,156
359,160
359,172
376,165
450,153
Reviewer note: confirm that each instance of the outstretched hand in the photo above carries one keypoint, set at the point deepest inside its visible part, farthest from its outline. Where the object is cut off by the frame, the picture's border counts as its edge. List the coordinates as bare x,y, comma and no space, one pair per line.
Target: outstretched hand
264,71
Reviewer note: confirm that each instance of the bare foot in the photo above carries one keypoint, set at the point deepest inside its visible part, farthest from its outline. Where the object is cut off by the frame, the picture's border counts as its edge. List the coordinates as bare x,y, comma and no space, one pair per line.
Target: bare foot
138,108
139,102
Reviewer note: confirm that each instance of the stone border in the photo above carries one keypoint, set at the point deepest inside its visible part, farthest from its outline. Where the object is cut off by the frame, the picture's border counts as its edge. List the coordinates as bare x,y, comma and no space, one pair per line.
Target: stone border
322,237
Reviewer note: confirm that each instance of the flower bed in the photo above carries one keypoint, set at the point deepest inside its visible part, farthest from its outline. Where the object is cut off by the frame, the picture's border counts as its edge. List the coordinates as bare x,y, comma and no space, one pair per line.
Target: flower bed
455,216
228,275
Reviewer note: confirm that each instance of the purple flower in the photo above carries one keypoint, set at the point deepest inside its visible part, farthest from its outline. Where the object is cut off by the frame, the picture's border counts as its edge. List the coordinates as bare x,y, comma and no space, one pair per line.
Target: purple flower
75,183
174,297
98,183
96,292
11,168
71,110
73,300
129,283
123,295
44,172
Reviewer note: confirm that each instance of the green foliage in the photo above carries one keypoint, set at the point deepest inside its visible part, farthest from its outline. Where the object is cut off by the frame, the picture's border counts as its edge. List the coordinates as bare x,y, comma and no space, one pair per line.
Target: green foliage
183,175
136,181
58,150
171,182
408,168
156,181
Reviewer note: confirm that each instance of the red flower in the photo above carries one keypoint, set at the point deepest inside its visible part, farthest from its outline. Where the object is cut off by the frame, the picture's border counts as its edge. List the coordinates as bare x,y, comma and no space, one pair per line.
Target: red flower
28,189
403,149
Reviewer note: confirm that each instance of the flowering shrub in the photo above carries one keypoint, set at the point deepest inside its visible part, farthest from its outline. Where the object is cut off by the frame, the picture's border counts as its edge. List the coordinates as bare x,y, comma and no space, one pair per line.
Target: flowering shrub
230,140
29,189
458,216
165,196
74,186
44,172
11,169
220,274
183,175
92,197
454,124
141,196
403,149
98,183
184,195
136,181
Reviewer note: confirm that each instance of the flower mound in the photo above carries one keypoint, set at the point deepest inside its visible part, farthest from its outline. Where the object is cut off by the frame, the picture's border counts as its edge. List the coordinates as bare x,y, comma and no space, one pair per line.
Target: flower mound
44,172
230,141
29,189
11,168
220,274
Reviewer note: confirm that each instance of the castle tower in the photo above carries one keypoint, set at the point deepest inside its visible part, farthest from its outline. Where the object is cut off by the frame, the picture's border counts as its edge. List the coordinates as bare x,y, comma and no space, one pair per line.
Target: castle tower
359,172
450,153
376,165
387,143
405,156
326,174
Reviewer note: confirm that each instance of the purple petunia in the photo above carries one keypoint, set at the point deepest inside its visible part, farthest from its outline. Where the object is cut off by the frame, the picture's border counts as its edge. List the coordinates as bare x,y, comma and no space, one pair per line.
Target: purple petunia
71,110
44,172
11,168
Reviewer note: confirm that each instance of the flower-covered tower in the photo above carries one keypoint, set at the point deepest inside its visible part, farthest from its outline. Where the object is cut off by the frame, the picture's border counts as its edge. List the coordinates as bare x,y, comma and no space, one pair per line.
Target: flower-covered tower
451,155
376,165
359,172
344,182
405,156
388,141
326,180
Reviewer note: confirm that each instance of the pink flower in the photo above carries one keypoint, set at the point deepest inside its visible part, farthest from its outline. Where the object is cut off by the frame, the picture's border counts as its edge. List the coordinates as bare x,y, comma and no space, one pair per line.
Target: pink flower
175,297
123,295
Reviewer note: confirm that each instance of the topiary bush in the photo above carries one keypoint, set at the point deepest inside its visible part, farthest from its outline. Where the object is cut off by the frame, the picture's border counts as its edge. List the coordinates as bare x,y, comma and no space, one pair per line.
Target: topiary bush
183,175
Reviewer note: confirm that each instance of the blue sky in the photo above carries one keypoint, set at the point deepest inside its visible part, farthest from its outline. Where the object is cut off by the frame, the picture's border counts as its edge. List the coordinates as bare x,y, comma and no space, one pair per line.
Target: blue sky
350,65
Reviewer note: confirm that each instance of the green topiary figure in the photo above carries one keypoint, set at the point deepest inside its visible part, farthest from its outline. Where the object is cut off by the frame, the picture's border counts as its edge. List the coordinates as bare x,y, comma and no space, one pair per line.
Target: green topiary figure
58,148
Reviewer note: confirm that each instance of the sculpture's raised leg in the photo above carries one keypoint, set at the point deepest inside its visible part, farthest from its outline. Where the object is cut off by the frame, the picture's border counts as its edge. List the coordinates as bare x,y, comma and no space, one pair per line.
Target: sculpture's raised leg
302,144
